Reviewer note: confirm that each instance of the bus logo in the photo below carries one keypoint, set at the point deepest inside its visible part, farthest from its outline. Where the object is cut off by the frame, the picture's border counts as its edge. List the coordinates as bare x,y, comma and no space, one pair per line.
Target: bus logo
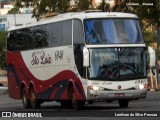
40,57
119,87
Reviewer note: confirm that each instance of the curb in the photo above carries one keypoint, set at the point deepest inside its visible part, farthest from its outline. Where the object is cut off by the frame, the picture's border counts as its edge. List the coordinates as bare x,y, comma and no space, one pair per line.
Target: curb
153,89
3,90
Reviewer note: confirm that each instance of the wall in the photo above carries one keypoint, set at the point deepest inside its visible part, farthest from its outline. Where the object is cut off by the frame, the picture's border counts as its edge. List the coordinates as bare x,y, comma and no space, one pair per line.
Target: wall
19,19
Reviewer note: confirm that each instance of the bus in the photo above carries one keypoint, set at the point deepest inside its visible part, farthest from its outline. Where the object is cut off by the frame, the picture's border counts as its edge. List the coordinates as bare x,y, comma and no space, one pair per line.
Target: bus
77,58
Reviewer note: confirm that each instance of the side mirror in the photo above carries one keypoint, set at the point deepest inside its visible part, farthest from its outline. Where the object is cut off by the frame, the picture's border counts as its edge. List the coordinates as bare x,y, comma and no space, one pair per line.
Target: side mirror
152,57
85,57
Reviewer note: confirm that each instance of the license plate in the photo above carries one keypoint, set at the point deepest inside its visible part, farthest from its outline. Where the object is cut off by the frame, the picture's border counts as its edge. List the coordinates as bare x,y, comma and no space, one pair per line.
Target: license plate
119,94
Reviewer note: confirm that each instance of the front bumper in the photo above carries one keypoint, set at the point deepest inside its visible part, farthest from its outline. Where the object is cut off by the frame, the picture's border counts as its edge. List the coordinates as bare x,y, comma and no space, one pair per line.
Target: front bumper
117,95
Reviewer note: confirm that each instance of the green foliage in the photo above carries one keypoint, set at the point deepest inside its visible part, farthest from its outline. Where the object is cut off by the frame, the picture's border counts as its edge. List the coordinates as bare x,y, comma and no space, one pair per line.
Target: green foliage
149,38
2,39
149,13
2,49
18,4
83,5
103,6
62,5
3,59
49,6
13,11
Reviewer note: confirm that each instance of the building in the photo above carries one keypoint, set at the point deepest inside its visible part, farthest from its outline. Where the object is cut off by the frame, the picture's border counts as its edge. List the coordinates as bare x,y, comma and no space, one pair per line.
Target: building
3,22
24,9
5,6
7,21
19,19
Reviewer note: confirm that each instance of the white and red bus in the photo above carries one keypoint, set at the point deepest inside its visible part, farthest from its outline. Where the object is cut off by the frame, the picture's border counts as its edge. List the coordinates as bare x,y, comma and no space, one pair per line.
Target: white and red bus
75,58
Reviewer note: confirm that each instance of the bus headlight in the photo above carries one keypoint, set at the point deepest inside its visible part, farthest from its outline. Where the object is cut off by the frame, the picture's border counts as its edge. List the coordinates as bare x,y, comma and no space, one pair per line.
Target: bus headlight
142,86
95,88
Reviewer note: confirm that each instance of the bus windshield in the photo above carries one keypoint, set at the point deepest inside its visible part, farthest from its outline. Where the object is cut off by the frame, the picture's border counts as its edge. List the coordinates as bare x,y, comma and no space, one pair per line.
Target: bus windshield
113,31
116,63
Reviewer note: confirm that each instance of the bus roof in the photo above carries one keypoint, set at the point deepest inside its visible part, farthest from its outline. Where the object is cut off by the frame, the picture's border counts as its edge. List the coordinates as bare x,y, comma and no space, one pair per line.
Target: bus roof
76,15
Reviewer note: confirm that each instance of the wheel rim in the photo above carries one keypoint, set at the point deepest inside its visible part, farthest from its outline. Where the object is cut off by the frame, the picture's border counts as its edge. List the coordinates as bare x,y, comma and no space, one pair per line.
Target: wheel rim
24,99
32,98
74,103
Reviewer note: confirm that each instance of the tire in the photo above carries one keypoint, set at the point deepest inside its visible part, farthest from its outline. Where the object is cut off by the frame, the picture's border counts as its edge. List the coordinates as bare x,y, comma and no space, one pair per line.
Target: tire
90,102
34,102
76,104
123,103
66,103
25,100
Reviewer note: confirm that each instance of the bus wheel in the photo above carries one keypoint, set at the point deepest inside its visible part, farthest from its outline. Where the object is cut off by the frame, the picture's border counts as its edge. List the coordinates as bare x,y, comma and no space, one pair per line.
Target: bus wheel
123,103
66,103
34,102
76,104
26,102
90,102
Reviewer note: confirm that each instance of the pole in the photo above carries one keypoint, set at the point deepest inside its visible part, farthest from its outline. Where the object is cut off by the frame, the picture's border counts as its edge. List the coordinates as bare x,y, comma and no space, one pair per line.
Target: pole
15,19
156,79
151,78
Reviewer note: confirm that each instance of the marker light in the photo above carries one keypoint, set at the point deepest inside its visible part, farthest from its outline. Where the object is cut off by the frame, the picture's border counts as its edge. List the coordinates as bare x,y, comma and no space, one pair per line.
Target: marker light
142,86
95,88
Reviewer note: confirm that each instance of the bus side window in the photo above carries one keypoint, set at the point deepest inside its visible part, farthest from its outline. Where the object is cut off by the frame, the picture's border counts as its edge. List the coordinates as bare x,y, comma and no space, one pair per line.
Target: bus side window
10,41
18,40
40,36
78,55
78,32
67,33
78,41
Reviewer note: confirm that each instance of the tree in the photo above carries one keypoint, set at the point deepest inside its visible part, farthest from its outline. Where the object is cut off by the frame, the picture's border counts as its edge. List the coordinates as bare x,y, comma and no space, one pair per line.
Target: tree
2,39
62,5
13,11
42,7
104,7
3,36
83,5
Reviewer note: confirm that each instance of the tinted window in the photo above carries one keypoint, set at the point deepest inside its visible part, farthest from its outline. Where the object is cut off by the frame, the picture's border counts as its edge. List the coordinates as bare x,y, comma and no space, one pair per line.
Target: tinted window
10,40
78,36
67,33
113,31
117,63
62,33
48,35
41,36
57,34
20,39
